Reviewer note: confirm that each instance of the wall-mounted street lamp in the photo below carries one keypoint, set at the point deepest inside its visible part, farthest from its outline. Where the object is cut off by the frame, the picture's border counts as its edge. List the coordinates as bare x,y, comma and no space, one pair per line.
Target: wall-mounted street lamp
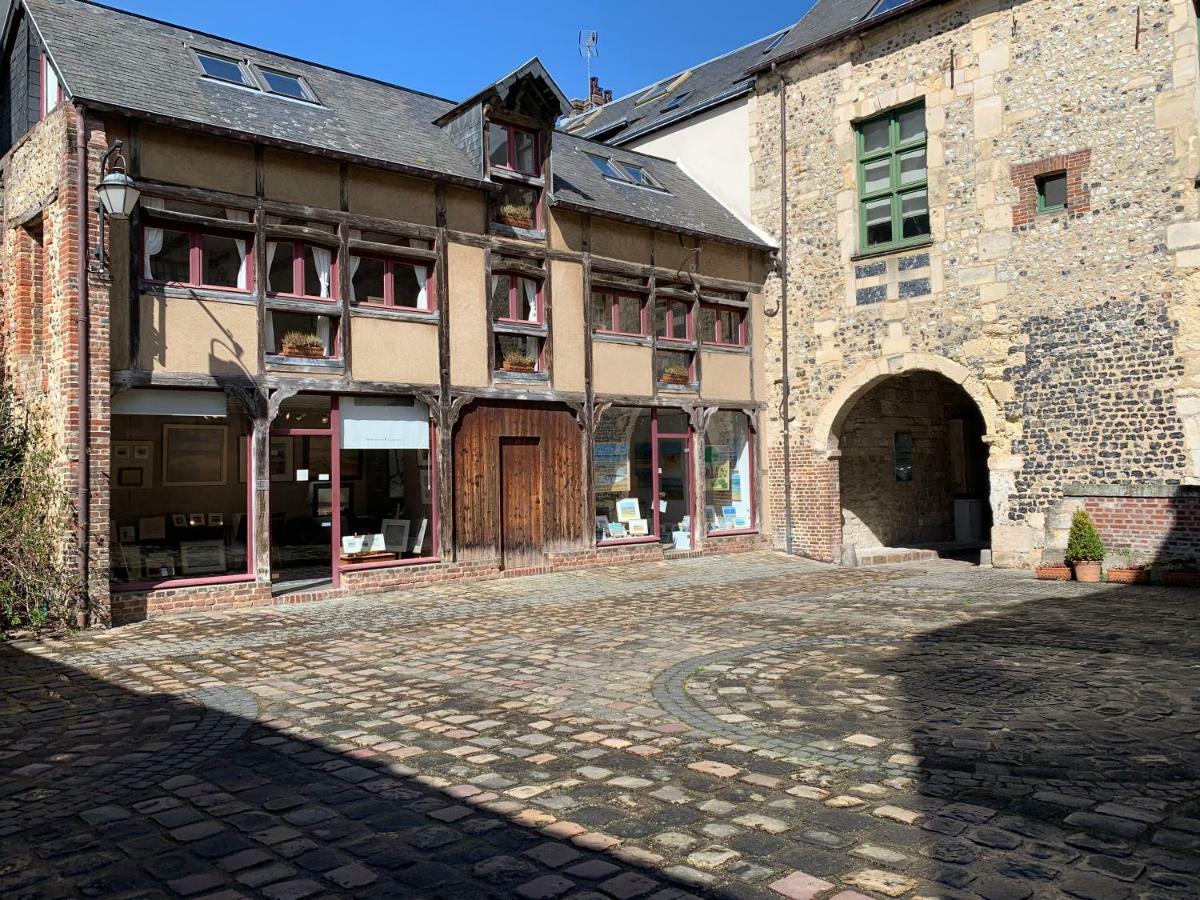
118,196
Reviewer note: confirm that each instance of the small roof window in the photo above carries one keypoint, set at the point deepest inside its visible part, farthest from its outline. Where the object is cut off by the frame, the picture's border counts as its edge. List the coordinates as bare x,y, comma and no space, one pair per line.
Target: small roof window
286,84
775,42
885,6
606,167
639,176
675,101
224,69
653,93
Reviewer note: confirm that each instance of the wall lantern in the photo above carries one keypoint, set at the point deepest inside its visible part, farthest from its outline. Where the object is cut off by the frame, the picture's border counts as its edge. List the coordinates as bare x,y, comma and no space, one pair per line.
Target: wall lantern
118,195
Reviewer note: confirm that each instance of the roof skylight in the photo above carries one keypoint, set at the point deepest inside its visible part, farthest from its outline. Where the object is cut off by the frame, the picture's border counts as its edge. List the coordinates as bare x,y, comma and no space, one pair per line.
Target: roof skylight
285,84
223,68
885,6
675,101
606,167
638,175
625,172
775,42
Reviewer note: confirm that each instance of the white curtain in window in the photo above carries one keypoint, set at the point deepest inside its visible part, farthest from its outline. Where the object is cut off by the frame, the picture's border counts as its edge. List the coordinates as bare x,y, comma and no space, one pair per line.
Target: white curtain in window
271,245
322,260
240,215
355,235
152,238
323,333
530,292
422,276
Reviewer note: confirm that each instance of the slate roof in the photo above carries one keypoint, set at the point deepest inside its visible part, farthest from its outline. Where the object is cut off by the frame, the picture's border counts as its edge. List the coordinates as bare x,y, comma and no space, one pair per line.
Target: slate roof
110,58
828,19
707,85
579,185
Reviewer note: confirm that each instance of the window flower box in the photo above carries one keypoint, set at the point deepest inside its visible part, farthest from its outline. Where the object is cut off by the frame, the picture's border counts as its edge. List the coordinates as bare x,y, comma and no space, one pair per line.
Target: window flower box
307,346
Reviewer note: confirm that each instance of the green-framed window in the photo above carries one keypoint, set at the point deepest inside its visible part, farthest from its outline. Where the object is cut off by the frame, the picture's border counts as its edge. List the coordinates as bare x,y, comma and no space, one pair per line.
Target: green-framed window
893,179
1052,192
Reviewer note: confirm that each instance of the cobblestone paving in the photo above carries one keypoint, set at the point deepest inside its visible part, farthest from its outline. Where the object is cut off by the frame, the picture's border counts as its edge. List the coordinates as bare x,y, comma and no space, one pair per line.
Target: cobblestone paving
752,726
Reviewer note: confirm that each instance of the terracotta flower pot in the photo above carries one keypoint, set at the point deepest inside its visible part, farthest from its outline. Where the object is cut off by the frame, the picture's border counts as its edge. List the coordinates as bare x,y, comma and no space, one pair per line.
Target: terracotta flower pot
1087,572
525,222
510,366
1128,575
667,378
1181,578
1053,573
304,352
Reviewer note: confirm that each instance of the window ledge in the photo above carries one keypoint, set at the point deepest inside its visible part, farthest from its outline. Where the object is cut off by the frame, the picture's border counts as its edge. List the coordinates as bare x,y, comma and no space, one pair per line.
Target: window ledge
609,337
187,292
888,251
507,326
733,532
512,175
304,363
626,542
525,234
520,377
678,388
329,307
367,311
724,348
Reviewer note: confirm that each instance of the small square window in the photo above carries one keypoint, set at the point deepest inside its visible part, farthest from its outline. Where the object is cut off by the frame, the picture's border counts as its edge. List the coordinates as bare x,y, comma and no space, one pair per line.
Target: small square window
1052,192
224,69
286,85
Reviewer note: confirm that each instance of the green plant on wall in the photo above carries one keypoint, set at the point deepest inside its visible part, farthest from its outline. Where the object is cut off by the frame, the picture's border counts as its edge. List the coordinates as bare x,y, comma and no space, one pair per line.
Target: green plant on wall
1083,543
38,582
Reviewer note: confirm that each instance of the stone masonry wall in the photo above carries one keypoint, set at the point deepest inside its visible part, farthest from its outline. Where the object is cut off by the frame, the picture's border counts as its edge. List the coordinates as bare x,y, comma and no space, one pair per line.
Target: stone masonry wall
1077,334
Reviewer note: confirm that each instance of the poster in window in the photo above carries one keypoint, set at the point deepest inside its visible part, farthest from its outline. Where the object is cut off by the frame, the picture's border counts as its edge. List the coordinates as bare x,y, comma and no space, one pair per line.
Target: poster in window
152,528
612,467
628,509
280,456
194,455
735,486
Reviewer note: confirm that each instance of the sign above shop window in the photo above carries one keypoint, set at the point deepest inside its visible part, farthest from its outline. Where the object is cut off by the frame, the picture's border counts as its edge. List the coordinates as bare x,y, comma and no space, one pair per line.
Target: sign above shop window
161,402
378,424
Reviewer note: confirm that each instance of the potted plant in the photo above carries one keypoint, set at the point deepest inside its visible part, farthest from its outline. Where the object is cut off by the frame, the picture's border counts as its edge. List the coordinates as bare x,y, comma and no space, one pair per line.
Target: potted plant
1182,573
517,361
1085,550
1053,571
301,343
516,215
676,375
1128,573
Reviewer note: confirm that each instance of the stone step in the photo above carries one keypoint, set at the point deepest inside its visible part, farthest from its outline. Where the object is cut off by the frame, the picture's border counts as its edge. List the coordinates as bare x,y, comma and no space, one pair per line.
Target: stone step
886,556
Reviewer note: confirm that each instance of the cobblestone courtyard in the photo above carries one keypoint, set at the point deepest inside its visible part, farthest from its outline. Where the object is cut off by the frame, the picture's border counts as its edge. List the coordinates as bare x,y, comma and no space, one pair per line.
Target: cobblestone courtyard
752,726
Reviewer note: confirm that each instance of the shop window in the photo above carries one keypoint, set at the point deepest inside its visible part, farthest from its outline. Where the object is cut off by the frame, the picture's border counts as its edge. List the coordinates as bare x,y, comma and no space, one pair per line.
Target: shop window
193,255
728,473
510,147
303,335
624,475
180,489
301,270
617,313
1052,192
723,326
396,283
388,481
893,179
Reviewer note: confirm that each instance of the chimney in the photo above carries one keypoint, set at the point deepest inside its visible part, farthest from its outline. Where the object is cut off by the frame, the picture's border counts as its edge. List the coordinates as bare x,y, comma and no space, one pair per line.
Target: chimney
597,96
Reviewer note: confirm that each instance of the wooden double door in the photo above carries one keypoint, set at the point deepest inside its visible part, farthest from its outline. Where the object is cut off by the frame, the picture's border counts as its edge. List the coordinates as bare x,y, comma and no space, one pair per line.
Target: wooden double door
518,483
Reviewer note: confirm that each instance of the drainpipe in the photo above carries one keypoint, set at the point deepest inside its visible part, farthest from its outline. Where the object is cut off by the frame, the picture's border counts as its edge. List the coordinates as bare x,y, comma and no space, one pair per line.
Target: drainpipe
785,382
84,346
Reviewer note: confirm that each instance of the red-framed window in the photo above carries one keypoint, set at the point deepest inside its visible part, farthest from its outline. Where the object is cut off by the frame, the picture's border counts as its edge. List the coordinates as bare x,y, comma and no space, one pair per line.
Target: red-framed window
673,320
392,283
513,148
50,91
323,333
196,257
516,299
729,474
297,269
724,326
614,312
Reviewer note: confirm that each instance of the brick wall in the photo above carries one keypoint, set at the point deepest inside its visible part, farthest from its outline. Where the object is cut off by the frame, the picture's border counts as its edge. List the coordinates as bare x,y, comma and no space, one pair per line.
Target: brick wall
1149,530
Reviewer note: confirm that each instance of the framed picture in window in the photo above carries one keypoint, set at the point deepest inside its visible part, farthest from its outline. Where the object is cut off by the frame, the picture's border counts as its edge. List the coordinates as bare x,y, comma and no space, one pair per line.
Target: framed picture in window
152,528
129,476
628,509
179,520
280,457
194,455
395,535
202,557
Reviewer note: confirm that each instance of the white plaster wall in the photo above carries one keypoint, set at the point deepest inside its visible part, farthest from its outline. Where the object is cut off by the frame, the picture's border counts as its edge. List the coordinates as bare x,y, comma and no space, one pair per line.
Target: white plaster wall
714,148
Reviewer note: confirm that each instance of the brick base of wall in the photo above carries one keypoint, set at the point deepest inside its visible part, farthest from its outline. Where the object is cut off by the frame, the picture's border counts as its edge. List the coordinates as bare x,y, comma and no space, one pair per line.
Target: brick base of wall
815,489
133,607
1156,530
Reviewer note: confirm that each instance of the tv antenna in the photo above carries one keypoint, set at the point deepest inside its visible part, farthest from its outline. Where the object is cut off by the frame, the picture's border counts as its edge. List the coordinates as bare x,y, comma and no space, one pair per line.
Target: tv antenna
588,50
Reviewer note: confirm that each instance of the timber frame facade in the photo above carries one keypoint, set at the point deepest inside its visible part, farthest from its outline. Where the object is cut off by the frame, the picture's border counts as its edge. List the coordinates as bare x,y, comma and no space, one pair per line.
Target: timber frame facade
398,270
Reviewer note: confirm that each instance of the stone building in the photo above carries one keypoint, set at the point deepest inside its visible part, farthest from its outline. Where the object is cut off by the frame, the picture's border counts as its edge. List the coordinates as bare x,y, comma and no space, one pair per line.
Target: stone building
354,336
989,311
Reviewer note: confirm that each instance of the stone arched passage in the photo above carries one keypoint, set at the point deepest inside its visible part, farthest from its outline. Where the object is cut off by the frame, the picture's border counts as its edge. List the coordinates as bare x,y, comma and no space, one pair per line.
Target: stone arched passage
910,437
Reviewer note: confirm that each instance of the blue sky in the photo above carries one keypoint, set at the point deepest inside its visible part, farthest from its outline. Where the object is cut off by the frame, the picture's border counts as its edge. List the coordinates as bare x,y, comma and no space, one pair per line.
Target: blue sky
445,48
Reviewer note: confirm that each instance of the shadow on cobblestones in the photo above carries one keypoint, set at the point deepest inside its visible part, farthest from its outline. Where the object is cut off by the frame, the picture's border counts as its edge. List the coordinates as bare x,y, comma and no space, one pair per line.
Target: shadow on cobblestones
1065,733
110,793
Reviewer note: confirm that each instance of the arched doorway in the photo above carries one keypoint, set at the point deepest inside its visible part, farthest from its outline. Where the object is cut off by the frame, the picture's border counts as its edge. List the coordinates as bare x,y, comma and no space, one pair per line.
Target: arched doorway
913,463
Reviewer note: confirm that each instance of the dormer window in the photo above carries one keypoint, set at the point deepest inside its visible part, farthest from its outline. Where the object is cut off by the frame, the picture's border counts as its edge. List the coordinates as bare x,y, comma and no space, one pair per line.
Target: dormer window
510,147
223,68
286,85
